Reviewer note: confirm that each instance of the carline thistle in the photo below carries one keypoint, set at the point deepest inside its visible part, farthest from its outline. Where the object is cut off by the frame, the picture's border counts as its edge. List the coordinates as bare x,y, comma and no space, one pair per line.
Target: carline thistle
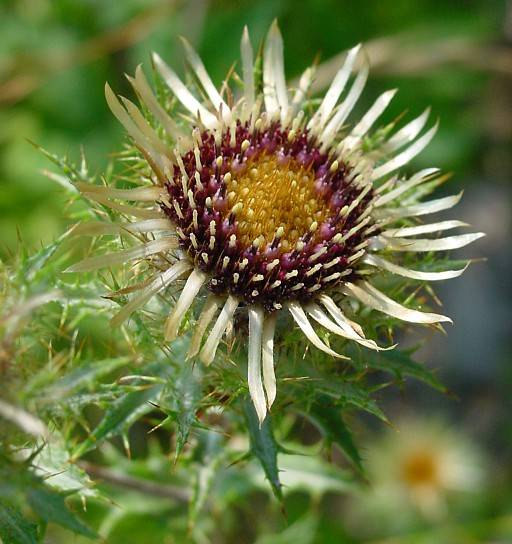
270,205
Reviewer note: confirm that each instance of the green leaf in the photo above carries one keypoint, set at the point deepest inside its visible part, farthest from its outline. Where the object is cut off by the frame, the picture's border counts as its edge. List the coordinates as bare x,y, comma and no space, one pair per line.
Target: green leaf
120,417
263,446
213,455
73,174
38,260
326,415
14,528
187,406
353,394
52,464
313,475
400,364
303,531
181,402
52,508
344,389
86,375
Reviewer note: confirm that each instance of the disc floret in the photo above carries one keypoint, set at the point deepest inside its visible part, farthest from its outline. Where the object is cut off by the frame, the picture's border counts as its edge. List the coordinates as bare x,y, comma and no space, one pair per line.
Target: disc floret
267,215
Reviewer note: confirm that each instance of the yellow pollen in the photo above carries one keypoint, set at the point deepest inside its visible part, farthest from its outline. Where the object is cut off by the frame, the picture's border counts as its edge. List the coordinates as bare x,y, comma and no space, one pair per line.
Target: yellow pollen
275,201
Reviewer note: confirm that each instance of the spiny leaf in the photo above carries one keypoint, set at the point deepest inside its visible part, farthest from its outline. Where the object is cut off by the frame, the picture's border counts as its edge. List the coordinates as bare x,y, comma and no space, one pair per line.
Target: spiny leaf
209,463
345,389
52,508
326,415
120,416
353,394
85,375
180,402
314,475
128,408
72,172
36,262
400,364
52,464
76,403
14,528
264,446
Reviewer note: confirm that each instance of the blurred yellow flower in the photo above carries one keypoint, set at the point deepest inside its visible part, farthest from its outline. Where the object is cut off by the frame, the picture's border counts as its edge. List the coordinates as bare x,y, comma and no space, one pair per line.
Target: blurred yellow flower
416,469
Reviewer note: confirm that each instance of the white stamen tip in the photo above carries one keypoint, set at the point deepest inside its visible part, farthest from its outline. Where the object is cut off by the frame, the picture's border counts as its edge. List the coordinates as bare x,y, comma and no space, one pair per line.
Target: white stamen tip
272,265
313,270
237,208
257,242
191,200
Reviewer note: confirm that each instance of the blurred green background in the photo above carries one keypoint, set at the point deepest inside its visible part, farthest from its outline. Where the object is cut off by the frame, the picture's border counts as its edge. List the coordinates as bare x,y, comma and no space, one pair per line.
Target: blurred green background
455,56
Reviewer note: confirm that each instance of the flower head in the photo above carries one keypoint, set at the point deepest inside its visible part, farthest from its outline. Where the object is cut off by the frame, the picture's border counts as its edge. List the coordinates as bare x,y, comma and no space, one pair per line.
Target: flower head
416,468
270,205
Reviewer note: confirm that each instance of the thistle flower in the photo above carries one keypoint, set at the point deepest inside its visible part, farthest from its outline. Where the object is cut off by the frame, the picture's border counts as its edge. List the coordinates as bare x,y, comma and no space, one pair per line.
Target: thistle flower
272,206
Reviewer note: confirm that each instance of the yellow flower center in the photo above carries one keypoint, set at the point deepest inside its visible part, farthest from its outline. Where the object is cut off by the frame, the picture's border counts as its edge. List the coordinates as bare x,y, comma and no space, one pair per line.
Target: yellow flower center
420,469
268,195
